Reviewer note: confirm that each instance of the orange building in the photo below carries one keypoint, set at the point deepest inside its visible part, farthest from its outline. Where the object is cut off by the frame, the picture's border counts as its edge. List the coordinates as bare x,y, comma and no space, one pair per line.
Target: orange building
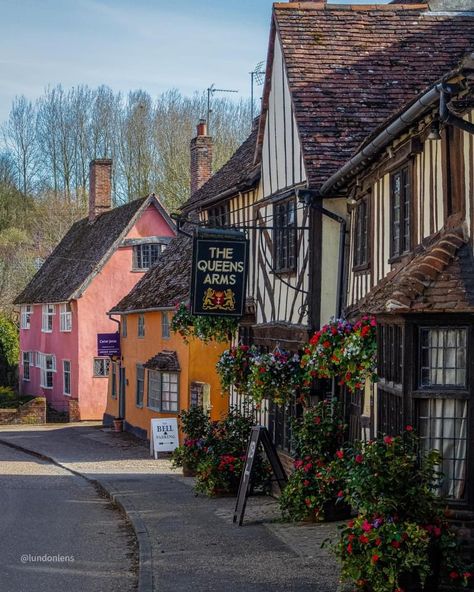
160,374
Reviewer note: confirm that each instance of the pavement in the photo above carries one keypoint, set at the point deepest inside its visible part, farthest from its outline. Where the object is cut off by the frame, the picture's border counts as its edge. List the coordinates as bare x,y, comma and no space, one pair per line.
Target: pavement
187,542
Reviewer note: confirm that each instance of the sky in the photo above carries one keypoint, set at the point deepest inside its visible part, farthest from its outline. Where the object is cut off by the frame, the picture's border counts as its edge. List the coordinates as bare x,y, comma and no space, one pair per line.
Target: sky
154,45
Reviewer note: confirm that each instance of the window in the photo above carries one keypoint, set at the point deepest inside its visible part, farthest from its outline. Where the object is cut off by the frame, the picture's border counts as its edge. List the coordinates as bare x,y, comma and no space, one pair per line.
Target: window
219,215
432,393
144,256
47,318
141,325
25,317
284,236
163,391
27,359
400,205
140,385
101,367
165,325
114,381
65,318
124,326
66,377
47,365
361,238
443,357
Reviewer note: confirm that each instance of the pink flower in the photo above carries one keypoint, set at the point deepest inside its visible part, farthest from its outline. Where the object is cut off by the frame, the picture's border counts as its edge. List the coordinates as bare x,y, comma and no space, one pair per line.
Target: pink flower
340,454
366,526
388,440
359,458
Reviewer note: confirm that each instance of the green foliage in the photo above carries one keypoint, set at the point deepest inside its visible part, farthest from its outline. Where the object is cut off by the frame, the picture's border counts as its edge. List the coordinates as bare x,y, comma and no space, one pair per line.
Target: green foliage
225,448
234,367
196,424
9,341
207,328
315,489
400,537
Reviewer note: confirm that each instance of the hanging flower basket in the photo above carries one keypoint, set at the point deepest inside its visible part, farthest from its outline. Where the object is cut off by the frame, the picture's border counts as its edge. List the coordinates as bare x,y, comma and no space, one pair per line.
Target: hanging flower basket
344,350
205,328
234,367
276,376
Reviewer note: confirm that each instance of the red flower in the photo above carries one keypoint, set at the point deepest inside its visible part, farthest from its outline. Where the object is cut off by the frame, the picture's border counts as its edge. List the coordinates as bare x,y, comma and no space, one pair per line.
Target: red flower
437,531
326,344
307,501
366,526
314,339
340,454
365,330
375,558
388,440
364,539
317,420
395,544
466,575
359,458
340,494
298,464
454,575
350,524
262,369
306,482
378,541
349,548
409,428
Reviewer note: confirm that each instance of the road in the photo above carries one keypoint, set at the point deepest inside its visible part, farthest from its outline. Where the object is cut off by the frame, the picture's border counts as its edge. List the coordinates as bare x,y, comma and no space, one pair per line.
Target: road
57,533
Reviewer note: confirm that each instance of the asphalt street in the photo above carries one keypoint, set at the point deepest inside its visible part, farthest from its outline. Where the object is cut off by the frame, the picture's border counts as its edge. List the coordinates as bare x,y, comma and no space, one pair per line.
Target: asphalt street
57,533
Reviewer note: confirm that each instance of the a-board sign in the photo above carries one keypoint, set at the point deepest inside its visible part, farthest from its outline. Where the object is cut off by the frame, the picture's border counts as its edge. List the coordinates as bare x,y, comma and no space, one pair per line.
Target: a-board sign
163,435
108,344
259,435
219,275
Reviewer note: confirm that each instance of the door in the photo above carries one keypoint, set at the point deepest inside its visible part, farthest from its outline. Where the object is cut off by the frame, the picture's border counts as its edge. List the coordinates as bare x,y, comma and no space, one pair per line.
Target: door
122,393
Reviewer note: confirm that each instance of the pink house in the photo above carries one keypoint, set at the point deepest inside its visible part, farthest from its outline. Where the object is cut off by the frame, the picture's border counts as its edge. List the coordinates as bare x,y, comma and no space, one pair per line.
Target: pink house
63,308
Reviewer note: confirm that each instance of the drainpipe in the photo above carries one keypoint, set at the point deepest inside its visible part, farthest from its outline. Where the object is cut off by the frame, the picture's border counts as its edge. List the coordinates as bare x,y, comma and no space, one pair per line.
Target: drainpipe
446,116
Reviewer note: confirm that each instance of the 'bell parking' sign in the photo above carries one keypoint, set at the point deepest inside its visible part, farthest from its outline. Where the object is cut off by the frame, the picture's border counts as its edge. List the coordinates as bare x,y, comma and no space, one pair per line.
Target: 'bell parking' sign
164,435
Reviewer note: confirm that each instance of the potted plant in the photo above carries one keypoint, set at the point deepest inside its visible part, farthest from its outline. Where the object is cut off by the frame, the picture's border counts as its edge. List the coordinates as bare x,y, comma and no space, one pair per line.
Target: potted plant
234,367
400,539
195,423
315,488
205,328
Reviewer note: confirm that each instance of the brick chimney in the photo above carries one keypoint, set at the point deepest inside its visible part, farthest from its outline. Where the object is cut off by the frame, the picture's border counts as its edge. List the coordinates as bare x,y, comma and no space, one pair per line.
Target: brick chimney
201,157
100,187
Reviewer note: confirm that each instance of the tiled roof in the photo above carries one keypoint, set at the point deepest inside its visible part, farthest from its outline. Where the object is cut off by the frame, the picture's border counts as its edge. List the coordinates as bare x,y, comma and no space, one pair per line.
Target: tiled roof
438,277
164,285
78,255
165,360
351,68
239,173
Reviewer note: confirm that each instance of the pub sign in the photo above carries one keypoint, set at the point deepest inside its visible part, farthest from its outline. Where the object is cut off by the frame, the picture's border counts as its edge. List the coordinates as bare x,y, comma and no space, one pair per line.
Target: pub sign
220,259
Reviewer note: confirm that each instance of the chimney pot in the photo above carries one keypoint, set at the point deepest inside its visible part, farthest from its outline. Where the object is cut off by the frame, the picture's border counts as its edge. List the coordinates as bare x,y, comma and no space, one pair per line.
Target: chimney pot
201,157
100,187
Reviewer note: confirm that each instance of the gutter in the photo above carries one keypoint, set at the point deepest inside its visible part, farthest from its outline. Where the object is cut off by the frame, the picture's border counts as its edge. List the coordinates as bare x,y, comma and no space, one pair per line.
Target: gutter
384,137
139,310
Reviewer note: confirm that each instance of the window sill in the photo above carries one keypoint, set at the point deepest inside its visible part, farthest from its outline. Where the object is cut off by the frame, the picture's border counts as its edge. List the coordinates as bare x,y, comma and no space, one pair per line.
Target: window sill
65,330
139,406
26,379
48,388
100,376
285,272
361,268
139,269
43,331
67,394
161,411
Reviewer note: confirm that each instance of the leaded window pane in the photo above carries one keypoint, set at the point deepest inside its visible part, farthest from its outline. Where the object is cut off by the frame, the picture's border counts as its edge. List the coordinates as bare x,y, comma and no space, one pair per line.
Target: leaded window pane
443,357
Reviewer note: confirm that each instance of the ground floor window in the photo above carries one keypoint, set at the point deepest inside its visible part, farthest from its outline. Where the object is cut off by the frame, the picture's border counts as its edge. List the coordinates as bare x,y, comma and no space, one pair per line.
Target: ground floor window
140,385
163,391
47,366
66,377
101,367
424,381
28,362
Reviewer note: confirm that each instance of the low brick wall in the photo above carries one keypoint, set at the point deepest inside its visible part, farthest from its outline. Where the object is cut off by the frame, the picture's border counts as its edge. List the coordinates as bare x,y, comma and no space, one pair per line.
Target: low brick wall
33,412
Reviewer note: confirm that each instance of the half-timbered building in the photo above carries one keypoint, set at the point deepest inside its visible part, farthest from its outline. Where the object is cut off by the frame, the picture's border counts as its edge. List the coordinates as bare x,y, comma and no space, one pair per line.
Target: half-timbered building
411,188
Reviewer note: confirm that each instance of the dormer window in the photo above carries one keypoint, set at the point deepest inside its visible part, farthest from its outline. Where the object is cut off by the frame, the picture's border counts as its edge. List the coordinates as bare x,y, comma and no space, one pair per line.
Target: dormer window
219,216
145,255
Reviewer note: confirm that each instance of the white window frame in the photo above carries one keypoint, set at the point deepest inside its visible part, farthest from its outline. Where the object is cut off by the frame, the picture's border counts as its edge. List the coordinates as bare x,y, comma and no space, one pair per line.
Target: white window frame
105,364
25,316
65,318
67,372
158,379
47,366
27,359
141,326
143,258
48,312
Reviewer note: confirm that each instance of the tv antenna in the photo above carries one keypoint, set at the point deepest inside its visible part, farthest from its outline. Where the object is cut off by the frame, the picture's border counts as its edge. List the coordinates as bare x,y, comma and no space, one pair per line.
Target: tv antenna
210,92
257,77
